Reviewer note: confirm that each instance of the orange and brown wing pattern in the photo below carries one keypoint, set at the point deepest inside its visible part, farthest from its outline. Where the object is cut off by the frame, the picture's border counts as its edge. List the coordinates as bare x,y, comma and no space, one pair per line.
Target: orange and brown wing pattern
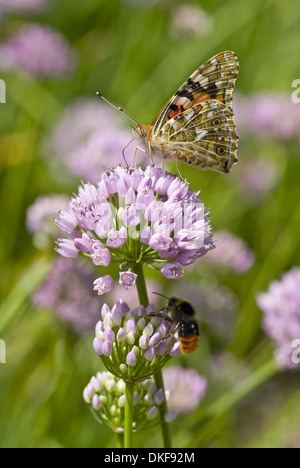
213,80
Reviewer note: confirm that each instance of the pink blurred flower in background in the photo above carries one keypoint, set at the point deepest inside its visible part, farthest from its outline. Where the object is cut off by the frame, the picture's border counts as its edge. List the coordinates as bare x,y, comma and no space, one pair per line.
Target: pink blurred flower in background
41,216
281,316
185,388
89,138
189,18
271,115
16,6
256,178
38,50
231,252
68,291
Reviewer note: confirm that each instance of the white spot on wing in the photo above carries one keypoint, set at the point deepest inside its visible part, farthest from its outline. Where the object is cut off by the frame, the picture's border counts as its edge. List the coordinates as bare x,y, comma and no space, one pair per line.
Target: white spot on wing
204,81
189,115
201,134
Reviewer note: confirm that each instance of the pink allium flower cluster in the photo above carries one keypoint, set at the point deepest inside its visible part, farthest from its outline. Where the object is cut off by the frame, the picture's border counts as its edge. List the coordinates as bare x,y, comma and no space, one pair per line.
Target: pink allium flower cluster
68,291
39,51
136,217
132,345
88,139
106,395
281,316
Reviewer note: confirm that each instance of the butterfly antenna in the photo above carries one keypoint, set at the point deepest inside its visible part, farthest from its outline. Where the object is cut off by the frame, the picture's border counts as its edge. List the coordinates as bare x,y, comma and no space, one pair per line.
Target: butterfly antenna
117,108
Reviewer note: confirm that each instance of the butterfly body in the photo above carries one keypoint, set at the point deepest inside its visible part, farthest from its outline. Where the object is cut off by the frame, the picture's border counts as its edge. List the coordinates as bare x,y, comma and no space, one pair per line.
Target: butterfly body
196,126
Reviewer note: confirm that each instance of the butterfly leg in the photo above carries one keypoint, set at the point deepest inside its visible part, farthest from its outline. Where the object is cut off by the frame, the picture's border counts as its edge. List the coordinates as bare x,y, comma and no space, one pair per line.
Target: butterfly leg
151,158
134,155
163,315
177,166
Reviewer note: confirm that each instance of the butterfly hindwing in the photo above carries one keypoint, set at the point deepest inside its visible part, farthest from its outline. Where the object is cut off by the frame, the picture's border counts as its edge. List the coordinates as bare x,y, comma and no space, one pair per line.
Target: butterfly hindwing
203,136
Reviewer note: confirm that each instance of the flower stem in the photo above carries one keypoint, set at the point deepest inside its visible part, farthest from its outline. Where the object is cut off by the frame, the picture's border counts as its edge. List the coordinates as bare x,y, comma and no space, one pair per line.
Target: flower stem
141,285
163,409
120,441
144,300
128,415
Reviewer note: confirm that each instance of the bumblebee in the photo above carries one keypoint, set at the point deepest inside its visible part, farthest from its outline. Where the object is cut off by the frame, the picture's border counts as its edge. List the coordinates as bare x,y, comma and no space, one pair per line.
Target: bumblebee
181,314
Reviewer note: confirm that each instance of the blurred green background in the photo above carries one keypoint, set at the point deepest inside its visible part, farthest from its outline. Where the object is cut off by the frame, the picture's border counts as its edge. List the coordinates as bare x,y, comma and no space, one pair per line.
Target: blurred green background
137,54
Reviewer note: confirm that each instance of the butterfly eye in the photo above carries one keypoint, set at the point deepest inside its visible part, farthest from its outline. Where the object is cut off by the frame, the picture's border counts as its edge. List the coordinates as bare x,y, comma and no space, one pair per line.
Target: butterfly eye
220,150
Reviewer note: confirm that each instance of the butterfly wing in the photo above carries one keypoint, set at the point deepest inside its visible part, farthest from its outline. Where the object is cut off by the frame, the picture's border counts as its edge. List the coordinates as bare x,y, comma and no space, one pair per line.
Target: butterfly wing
203,136
213,80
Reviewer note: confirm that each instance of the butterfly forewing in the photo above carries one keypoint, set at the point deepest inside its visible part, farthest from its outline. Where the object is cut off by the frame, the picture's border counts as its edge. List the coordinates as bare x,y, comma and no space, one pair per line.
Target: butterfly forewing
213,80
196,126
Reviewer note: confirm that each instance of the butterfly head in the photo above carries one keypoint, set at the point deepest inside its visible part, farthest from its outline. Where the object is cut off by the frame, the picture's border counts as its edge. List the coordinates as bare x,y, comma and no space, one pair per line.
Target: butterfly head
143,133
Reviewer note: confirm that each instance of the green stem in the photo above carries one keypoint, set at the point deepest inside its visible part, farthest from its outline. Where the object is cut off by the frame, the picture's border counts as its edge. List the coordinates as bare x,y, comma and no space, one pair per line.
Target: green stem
141,285
251,383
163,409
120,441
228,401
144,300
16,302
128,415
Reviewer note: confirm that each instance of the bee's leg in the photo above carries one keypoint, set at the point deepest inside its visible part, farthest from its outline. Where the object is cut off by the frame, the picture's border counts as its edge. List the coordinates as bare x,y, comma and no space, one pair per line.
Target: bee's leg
172,332
161,315
168,319
134,155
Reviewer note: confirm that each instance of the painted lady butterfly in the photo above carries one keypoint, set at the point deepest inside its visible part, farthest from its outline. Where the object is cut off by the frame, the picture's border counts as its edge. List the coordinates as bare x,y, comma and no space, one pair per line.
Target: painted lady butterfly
196,126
